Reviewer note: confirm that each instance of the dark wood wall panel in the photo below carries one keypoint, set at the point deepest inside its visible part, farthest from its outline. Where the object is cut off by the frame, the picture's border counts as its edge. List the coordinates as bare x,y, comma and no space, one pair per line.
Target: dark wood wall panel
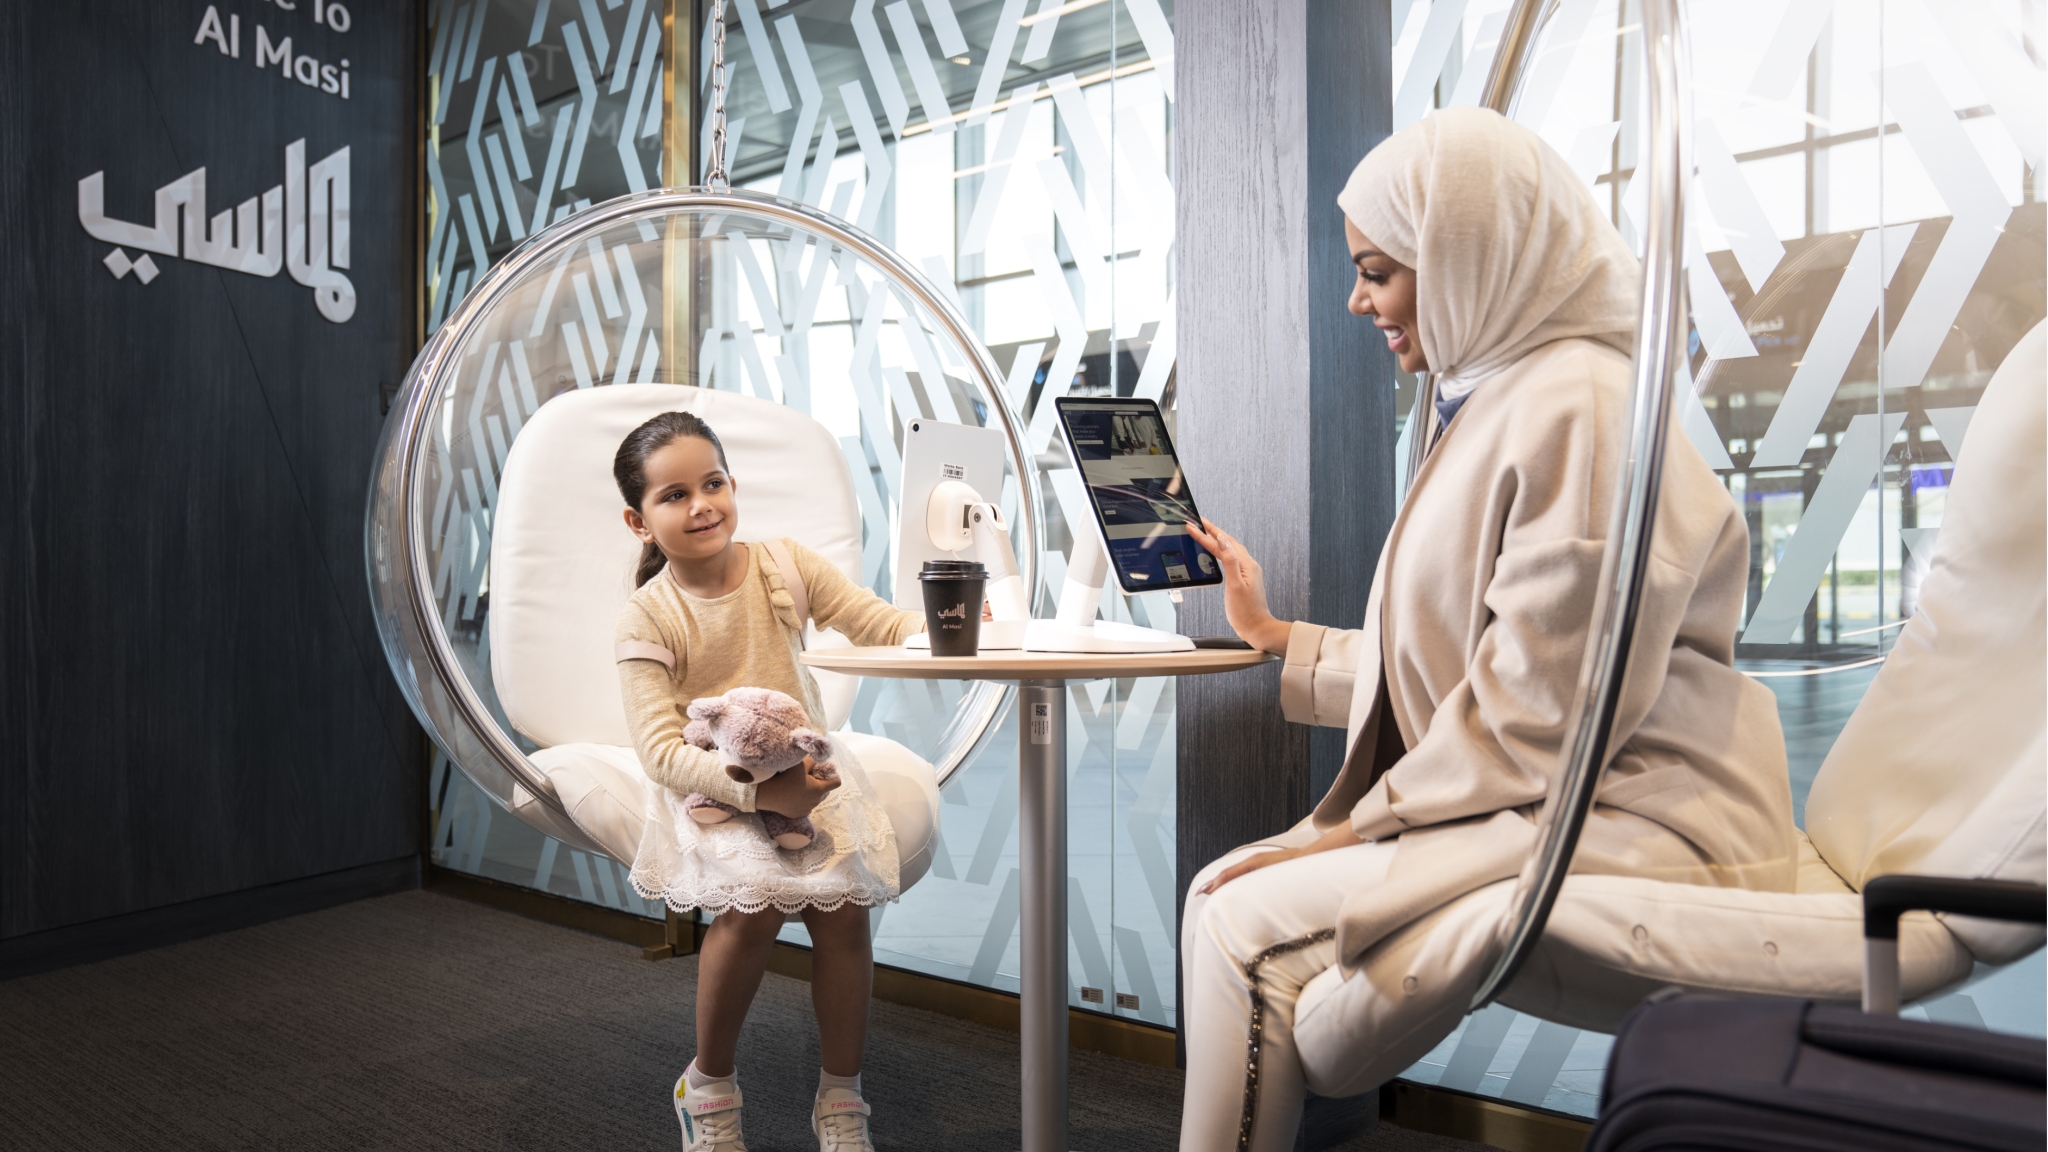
1351,372
192,697
1285,406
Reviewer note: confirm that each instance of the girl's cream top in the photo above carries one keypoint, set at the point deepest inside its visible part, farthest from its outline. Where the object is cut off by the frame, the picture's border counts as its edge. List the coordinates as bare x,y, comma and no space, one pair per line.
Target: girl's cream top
748,637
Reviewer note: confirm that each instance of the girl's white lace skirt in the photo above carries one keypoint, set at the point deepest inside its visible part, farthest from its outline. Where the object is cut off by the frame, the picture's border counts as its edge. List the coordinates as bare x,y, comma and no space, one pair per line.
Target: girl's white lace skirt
734,867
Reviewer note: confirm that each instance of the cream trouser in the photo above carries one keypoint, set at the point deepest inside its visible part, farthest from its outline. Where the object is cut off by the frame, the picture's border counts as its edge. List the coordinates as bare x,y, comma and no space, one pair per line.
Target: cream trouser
1356,1033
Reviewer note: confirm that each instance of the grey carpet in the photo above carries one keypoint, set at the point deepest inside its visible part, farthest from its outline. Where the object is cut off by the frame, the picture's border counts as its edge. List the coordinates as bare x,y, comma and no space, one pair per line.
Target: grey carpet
421,1021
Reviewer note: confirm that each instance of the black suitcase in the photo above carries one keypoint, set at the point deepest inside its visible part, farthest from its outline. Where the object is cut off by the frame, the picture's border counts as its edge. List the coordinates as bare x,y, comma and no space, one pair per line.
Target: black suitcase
1697,1073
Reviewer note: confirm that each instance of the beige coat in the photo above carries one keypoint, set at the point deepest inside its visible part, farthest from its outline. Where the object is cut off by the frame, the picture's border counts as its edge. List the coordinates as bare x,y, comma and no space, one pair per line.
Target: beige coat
1479,612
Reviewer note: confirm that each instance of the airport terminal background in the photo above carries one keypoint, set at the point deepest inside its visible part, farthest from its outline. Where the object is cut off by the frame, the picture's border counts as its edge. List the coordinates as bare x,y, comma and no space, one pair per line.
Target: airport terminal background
1842,147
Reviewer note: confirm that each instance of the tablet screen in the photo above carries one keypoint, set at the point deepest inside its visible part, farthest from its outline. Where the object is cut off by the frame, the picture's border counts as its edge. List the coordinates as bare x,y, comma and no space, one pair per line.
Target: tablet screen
1140,498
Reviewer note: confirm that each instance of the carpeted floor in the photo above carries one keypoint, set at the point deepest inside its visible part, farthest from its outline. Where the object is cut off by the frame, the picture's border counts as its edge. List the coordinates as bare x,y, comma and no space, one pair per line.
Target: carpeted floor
421,1021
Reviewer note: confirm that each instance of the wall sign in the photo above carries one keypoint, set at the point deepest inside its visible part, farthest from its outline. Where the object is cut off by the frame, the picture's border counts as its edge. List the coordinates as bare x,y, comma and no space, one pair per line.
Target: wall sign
301,225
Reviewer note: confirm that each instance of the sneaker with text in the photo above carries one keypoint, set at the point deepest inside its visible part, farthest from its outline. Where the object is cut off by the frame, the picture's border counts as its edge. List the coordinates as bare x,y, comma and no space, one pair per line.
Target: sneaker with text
840,1122
710,1116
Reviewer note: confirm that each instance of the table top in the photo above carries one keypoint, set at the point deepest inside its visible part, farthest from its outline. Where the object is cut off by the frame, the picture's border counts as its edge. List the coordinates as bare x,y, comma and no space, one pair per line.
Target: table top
920,664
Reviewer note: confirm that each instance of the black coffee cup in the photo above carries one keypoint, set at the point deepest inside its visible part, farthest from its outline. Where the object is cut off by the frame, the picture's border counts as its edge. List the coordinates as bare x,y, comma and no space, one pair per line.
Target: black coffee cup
953,592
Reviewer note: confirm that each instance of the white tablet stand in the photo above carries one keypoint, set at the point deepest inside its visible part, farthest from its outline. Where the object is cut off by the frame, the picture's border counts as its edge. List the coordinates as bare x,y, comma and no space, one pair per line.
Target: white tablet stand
1074,627
958,519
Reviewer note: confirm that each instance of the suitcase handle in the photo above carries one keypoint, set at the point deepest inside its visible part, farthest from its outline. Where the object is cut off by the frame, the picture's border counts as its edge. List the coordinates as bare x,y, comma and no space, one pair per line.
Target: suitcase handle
1886,898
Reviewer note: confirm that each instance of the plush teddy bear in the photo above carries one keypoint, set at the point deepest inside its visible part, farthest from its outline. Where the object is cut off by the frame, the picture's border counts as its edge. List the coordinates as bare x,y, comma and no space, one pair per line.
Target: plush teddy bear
758,732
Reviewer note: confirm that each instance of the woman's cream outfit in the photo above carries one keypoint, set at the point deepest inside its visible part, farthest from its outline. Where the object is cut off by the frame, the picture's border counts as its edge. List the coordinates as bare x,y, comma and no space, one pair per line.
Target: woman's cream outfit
677,647
1455,694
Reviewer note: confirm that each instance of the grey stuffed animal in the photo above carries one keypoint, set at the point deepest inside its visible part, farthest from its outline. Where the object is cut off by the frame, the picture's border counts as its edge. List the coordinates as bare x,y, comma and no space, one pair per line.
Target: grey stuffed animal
759,733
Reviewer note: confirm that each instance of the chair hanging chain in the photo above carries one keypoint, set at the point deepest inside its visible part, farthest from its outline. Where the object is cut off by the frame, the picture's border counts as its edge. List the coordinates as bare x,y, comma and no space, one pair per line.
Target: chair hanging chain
717,180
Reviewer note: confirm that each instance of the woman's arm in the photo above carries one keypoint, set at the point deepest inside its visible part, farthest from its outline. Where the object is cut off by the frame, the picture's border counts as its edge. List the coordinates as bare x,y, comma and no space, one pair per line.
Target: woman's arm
1339,837
1316,681
1244,590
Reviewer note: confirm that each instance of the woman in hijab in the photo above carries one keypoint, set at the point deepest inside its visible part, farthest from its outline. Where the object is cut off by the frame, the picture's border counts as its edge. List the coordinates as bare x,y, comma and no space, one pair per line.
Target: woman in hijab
1484,259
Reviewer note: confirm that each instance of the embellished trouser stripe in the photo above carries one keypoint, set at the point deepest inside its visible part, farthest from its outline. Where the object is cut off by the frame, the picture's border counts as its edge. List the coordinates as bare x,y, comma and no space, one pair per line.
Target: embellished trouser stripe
1258,1015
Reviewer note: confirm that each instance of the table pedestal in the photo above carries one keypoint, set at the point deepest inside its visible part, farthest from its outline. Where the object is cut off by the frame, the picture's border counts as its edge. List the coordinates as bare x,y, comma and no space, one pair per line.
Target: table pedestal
1042,846
1041,679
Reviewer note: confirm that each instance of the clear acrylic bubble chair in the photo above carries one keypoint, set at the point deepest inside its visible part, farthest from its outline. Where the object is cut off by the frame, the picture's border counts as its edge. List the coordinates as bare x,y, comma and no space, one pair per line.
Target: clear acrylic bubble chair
498,558
1938,772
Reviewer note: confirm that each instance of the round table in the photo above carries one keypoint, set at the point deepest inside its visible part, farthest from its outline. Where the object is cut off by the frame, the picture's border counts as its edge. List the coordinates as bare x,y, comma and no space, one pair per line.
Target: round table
1041,679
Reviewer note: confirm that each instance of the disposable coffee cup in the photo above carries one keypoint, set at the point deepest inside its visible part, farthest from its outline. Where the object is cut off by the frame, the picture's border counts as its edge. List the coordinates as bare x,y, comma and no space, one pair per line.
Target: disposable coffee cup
952,605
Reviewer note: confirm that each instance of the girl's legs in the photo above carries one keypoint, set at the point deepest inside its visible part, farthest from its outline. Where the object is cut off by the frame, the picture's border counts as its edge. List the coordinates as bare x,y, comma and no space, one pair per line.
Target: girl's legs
842,980
729,969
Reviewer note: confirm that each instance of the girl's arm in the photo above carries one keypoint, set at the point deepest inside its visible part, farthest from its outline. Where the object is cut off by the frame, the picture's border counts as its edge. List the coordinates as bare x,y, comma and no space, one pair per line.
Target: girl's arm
858,614
656,720
655,717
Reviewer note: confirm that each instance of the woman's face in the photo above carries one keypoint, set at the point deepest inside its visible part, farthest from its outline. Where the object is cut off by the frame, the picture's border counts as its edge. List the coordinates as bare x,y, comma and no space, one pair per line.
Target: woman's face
1385,292
688,511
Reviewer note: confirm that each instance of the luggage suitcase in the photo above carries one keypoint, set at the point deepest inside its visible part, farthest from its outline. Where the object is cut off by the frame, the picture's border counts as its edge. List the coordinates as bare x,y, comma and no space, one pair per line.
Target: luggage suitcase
1700,1073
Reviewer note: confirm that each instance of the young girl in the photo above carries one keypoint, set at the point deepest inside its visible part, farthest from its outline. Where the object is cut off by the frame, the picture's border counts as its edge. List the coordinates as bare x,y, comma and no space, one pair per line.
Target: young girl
713,614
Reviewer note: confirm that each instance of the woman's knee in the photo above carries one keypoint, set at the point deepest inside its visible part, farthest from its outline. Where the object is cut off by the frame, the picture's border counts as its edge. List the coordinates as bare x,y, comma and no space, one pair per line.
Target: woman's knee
1229,926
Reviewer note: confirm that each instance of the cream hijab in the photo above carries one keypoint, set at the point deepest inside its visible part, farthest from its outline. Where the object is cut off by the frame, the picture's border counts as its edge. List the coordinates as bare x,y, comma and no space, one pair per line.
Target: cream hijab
1510,252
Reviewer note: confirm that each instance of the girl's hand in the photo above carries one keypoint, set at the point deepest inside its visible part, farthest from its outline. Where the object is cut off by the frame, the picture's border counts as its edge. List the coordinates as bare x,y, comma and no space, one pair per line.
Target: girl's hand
1244,591
793,792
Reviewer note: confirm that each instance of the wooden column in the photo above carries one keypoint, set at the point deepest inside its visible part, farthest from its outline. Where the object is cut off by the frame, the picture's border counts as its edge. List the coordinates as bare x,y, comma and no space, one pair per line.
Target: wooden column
1285,401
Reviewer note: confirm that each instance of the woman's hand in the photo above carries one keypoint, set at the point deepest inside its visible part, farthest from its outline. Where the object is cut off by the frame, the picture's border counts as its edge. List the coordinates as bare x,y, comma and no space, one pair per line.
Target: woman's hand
793,792
1244,591
1339,837
1252,864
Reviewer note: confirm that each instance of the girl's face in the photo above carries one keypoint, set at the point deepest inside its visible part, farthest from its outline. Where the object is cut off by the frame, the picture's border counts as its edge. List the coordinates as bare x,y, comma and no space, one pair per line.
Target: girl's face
1386,292
688,511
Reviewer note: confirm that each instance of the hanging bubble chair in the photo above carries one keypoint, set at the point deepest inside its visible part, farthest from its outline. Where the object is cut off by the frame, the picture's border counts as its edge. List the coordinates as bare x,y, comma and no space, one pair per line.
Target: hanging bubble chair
497,556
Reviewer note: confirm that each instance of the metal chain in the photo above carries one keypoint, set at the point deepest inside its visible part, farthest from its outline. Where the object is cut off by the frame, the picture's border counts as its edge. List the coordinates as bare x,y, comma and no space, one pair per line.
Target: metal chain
717,180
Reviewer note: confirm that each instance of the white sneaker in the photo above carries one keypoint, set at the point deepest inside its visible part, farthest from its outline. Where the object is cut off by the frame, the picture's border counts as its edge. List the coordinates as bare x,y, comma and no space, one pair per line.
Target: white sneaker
840,1122
710,1116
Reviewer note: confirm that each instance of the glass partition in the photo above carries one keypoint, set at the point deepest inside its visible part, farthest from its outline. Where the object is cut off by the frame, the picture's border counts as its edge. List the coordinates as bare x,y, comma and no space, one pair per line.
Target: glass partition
1866,243
534,110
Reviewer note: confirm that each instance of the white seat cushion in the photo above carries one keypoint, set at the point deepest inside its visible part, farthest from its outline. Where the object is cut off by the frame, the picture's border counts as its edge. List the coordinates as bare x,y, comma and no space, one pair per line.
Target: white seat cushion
562,558
1612,940
605,792
1940,769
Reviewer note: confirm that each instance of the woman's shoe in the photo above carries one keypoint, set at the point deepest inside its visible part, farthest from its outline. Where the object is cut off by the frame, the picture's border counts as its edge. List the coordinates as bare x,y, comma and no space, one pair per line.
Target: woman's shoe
840,1122
710,1116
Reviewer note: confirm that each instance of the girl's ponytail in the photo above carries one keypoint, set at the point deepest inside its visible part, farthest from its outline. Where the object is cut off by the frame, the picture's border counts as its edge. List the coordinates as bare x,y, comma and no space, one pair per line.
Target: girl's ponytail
651,564
629,471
